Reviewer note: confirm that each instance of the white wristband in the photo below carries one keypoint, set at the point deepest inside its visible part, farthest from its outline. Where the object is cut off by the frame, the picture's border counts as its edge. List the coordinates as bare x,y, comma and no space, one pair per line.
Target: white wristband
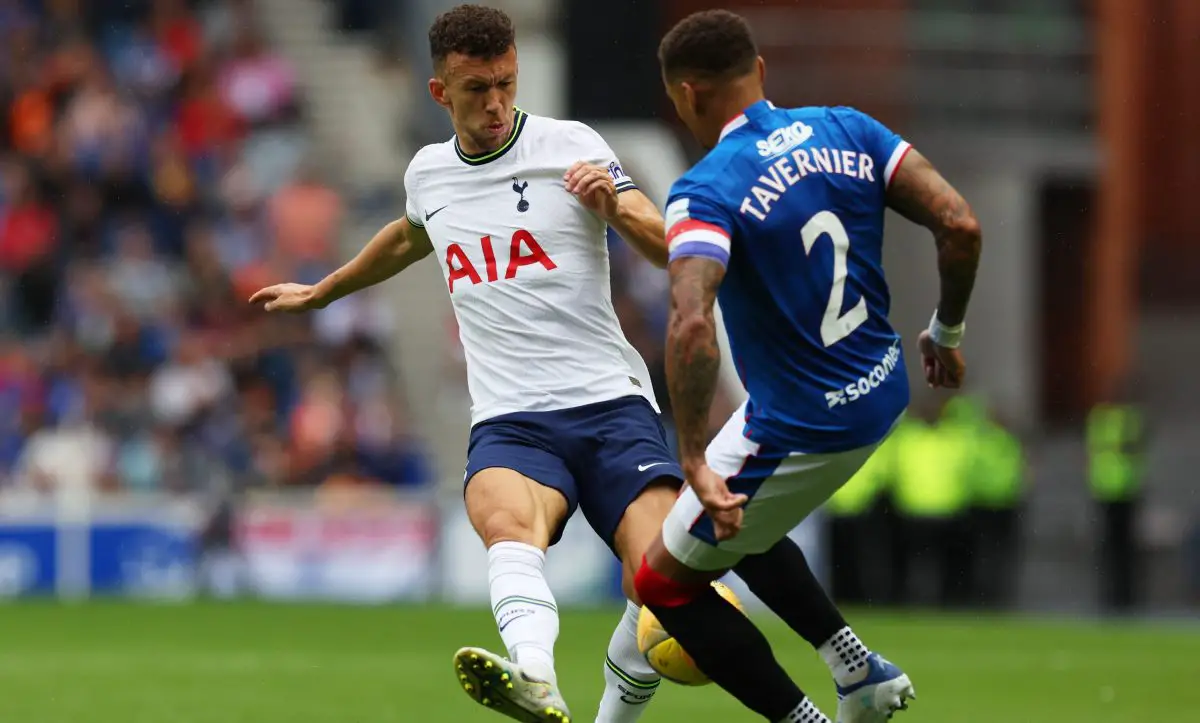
946,336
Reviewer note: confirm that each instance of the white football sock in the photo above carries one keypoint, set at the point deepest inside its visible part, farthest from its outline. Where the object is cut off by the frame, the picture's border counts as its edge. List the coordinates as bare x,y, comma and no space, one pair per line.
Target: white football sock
806,712
846,657
629,681
524,606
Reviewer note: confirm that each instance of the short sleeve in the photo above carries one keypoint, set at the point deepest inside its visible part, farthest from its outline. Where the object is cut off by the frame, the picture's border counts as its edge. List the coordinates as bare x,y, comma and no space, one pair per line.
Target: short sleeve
594,149
412,206
697,226
886,148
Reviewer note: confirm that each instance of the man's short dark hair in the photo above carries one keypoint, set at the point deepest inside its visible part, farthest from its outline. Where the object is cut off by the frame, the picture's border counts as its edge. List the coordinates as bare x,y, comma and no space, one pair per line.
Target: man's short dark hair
713,45
473,30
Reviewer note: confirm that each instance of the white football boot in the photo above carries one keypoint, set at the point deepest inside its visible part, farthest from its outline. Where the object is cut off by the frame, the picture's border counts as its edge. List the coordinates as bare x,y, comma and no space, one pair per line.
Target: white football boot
502,685
884,690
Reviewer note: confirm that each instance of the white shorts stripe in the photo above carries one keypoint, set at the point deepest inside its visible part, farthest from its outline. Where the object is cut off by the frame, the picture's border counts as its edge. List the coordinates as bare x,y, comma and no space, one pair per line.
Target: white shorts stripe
781,498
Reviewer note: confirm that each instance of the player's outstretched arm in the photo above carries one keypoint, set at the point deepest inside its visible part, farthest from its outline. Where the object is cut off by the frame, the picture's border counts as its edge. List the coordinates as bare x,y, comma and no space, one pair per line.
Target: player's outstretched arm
641,225
396,247
920,194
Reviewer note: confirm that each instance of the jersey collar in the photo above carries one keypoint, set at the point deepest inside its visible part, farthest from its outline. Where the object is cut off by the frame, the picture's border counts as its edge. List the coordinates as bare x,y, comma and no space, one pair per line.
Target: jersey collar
519,118
741,119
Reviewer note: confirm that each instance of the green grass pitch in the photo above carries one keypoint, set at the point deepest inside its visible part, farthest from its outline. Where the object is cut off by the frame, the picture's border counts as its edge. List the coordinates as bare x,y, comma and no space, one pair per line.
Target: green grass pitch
257,663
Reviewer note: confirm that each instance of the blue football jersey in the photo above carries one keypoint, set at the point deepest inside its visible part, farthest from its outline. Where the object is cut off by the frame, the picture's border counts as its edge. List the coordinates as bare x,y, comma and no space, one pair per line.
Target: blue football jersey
792,202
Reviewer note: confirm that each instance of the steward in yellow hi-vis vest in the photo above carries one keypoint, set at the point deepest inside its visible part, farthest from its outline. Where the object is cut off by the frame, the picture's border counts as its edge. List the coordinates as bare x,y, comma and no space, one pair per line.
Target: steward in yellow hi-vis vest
996,481
931,499
855,530
1116,439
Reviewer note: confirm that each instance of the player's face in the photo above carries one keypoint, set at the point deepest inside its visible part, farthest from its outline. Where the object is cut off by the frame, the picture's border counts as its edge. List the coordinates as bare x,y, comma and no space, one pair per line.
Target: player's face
479,94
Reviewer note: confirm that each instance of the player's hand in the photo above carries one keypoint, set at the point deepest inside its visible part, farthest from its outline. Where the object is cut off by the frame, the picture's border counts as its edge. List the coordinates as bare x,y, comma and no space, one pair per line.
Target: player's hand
944,367
594,188
723,506
288,297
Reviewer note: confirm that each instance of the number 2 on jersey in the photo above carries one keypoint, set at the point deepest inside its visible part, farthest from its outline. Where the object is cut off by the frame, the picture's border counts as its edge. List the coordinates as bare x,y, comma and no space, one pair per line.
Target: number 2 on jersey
835,325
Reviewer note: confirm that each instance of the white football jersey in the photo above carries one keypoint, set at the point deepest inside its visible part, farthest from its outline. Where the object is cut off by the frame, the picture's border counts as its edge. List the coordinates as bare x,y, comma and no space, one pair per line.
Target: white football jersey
527,269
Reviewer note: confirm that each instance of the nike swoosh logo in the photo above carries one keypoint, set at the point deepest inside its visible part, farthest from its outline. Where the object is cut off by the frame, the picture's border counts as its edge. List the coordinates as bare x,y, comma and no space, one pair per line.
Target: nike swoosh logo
644,467
431,215
530,679
518,616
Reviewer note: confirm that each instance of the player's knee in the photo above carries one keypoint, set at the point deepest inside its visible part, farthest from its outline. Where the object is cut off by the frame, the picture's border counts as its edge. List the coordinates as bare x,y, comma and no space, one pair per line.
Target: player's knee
506,507
509,525
641,523
515,519
655,589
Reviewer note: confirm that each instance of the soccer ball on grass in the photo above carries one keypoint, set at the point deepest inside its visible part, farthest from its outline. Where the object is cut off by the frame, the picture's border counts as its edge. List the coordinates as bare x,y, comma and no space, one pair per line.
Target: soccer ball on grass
665,654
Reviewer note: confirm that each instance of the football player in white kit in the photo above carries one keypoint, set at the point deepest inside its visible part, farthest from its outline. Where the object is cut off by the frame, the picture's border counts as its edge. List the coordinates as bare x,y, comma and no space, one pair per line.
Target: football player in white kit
515,207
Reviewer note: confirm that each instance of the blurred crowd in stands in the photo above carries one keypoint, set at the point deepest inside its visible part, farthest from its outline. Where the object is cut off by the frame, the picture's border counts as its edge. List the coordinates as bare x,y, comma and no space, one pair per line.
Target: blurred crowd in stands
153,173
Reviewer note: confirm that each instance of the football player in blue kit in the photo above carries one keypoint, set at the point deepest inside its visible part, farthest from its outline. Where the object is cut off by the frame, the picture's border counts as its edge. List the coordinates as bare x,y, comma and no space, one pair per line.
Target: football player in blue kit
782,222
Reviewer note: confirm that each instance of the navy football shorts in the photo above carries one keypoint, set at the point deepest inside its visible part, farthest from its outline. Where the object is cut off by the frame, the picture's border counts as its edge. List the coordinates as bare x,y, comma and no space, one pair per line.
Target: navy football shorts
599,456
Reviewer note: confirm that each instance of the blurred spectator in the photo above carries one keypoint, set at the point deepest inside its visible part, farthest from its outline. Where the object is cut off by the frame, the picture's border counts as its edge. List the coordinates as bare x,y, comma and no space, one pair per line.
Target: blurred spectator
31,115
240,231
259,85
220,21
172,182
142,65
102,133
318,421
72,454
178,32
191,383
304,216
28,239
207,125
143,283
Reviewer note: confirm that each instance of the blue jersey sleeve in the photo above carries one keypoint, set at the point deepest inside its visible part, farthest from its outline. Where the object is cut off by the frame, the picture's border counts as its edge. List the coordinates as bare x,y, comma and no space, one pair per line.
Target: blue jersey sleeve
886,148
696,225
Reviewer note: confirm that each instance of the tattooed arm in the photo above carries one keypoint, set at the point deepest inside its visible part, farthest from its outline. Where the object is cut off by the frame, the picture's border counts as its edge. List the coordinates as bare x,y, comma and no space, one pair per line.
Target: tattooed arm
693,358
920,194
693,361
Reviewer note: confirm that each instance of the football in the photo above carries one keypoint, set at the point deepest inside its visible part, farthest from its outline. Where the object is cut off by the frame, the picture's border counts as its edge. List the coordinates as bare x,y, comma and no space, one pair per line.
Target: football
665,654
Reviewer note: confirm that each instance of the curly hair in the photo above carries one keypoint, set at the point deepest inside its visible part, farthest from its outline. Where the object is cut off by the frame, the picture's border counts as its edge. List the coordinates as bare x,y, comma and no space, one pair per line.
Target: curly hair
473,30
713,45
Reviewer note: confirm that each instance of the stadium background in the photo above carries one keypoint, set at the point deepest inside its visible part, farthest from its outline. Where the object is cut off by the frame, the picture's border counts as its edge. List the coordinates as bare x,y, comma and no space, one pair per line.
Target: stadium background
162,441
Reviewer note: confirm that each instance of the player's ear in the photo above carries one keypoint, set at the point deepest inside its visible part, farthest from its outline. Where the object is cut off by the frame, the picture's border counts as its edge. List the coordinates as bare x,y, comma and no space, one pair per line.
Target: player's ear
437,91
689,96
762,70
